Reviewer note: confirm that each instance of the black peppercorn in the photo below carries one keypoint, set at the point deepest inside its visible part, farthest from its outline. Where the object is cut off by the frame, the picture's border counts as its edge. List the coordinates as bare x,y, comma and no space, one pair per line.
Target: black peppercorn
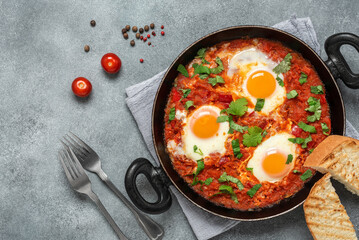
141,30
134,29
93,23
132,43
125,35
147,28
152,25
137,35
128,27
87,48
124,30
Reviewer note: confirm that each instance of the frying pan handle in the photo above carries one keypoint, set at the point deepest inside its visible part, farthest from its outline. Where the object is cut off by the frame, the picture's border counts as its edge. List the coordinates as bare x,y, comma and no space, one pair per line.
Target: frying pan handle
157,179
336,62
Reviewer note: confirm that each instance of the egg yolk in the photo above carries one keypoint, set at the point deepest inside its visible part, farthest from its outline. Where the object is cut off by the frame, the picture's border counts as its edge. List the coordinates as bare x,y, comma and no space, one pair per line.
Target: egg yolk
274,164
261,84
204,124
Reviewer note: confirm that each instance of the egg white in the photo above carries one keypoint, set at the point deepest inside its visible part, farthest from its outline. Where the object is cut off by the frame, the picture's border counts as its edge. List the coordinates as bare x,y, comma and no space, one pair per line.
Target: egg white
277,142
248,61
210,145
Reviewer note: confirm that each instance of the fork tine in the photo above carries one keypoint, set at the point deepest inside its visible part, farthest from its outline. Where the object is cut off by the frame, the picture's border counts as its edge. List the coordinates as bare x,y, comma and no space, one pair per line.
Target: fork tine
68,175
80,150
71,162
88,148
78,166
67,164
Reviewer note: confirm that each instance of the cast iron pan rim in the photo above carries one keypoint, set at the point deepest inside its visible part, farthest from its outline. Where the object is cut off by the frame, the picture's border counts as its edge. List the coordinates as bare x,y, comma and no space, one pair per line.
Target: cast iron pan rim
174,62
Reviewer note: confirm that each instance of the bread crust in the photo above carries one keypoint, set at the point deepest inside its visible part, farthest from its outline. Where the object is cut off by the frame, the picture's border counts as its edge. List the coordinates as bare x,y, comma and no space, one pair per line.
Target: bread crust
325,148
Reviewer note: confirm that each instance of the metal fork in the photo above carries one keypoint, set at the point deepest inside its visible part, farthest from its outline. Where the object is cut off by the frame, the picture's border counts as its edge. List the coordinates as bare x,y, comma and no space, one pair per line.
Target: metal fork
91,162
81,183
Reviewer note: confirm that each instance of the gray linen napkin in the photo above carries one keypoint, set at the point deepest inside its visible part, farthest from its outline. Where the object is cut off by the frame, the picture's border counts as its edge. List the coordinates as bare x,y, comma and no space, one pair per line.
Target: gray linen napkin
140,100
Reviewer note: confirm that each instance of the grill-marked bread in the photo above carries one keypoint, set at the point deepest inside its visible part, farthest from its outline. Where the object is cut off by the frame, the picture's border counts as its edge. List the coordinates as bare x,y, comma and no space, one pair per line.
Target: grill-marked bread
325,215
339,156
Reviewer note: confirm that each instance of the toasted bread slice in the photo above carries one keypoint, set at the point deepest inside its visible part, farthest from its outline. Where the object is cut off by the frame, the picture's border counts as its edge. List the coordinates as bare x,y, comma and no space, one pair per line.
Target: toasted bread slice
325,215
339,156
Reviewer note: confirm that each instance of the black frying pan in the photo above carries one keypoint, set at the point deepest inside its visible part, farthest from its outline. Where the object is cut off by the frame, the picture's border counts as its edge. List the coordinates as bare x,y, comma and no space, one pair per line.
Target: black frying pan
161,177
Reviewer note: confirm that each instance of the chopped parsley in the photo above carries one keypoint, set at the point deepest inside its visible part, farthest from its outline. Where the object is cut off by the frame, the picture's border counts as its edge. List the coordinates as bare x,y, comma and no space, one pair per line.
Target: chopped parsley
236,149
227,178
296,171
172,114
237,127
259,104
284,65
317,89
182,69
203,71
289,159
311,150
200,167
303,141
307,128
197,150
249,169
188,104
208,181
185,92
254,137
292,94
228,190
253,190
264,133
325,128
215,80
223,118
280,81
307,174
238,107
303,78
314,107
201,54
219,68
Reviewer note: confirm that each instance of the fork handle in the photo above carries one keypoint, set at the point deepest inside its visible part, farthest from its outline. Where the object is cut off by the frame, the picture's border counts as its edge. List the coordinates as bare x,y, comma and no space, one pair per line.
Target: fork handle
108,217
153,230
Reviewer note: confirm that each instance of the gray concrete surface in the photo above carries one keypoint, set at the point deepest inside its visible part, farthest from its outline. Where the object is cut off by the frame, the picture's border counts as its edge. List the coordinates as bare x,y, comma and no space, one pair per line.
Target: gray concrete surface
41,50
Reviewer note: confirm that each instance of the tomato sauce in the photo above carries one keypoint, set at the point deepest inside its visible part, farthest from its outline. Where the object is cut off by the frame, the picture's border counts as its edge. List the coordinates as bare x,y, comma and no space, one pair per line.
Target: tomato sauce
291,112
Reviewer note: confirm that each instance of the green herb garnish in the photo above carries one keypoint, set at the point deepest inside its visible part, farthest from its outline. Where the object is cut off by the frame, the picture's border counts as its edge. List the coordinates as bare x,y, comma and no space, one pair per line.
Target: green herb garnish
325,128
237,127
292,94
185,92
219,68
203,71
227,178
307,174
253,190
223,118
280,81
303,78
284,65
228,190
311,150
250,169
197,150
296,171
238,107
236,149
259,104
215,80
307,128
201,54
200,167
254,137
303,141
289,159
317,89
314,107
172,114
188,104
182,69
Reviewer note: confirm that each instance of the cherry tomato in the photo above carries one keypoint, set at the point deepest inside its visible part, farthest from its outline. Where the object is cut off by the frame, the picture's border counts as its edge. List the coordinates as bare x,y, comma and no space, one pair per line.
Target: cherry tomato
296,131
81,87
111,63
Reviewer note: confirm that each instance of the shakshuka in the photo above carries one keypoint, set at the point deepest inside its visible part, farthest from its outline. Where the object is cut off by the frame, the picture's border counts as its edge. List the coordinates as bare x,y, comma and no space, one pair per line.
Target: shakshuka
241,119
